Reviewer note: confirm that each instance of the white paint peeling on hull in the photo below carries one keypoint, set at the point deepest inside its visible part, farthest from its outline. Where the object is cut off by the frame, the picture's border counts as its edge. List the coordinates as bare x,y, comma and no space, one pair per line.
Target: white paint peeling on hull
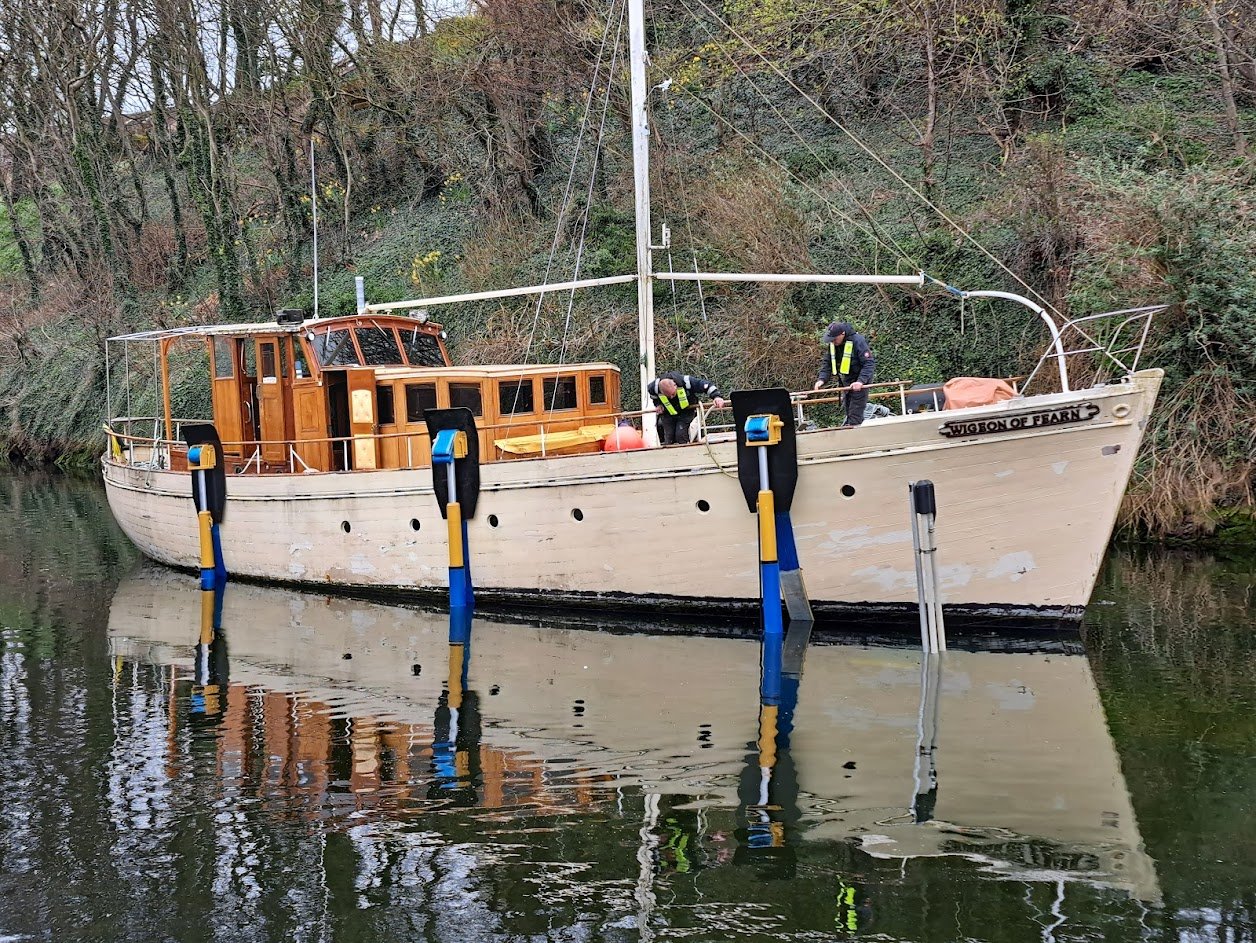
860,537
1013,566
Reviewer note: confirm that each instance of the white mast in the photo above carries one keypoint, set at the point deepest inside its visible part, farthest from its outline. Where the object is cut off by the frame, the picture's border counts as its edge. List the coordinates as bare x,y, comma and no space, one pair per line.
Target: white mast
641,179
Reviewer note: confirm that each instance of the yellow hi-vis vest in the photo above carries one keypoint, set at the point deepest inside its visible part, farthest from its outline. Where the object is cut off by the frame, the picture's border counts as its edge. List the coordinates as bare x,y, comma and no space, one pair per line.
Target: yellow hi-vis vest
681,398
847,350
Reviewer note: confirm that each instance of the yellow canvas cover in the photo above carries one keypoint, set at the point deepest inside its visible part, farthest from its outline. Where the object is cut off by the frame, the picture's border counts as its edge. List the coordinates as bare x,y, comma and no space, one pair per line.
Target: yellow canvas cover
554,443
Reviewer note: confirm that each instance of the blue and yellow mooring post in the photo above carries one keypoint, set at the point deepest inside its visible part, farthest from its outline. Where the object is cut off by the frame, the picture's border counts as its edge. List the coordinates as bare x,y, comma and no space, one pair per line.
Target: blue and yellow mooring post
202,461
448,447
762,432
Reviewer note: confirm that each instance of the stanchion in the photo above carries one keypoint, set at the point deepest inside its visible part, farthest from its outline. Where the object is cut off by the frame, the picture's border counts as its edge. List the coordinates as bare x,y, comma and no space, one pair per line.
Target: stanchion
924,513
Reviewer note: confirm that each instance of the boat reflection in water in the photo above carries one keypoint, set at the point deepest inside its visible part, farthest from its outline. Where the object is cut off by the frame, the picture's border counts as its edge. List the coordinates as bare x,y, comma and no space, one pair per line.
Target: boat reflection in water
1001,757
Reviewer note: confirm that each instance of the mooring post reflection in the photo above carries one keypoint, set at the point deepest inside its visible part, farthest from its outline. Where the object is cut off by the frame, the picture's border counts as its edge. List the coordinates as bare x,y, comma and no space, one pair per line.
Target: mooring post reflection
211,668
769,786
925,797
456,735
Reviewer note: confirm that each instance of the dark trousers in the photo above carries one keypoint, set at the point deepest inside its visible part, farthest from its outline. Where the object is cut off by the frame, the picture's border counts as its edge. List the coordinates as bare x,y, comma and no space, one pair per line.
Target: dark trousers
854,403
674,430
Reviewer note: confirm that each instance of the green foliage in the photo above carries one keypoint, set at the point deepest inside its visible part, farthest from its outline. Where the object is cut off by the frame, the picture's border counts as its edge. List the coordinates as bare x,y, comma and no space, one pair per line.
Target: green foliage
10,257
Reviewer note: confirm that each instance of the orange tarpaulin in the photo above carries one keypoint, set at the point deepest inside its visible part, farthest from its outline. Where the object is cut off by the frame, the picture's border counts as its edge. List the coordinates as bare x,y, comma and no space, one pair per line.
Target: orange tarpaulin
975,391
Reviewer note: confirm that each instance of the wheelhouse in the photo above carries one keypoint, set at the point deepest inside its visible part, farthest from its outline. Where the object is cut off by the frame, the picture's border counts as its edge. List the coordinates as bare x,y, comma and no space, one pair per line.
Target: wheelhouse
349,394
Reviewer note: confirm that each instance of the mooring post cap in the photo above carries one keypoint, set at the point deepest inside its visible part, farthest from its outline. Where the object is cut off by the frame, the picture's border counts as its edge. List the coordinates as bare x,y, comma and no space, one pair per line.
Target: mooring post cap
450,444
763,429
923,498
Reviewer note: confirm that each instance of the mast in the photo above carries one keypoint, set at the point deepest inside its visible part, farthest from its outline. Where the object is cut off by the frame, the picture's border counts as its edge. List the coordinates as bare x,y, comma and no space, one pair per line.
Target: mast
641,180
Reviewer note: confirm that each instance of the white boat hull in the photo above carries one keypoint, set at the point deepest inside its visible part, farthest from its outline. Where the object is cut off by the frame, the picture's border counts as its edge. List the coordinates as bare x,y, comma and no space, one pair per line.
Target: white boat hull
1025,514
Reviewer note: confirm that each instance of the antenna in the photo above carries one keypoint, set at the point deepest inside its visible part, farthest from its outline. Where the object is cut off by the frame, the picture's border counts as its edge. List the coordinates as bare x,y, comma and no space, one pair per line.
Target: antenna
314,209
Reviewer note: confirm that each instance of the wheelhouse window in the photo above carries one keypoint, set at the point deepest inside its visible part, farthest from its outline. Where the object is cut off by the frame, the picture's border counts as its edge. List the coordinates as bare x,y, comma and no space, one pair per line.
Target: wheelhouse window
597,390
422,350
466,395
514,396
419,396
560,393
379,346
335,349
300,368
270,372
385,408
224,367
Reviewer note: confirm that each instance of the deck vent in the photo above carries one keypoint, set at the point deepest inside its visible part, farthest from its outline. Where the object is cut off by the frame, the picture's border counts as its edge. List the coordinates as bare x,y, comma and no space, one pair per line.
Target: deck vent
290,316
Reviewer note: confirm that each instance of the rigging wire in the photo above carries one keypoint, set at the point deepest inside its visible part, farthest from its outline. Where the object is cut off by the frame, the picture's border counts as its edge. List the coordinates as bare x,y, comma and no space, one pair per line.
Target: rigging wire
889,241
877,157
825,201
571,176
684,209
588,205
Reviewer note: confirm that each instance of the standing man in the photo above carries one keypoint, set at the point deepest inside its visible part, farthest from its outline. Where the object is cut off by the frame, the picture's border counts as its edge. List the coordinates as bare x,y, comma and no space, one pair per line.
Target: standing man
848,360
675,398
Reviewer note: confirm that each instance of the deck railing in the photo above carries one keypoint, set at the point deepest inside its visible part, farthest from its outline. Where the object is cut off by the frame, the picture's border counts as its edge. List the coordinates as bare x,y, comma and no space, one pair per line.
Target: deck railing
149,451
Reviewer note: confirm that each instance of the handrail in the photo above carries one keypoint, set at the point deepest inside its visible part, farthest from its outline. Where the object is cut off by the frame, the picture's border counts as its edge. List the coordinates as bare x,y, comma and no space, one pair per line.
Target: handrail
1110,348
885,389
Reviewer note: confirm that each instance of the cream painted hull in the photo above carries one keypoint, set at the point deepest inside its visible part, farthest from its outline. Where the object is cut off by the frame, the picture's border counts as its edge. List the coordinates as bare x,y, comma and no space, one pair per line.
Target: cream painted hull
1024,517
1023,753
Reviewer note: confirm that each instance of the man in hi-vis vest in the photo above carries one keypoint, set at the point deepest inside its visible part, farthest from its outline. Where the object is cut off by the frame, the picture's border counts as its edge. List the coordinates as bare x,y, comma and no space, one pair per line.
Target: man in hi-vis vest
675,398
848,360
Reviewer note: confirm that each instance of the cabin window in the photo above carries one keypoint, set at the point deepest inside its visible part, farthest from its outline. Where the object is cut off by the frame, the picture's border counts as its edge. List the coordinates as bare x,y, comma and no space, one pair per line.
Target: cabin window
514,396
268,362
419,396
422,350
385,408
466,395
300,367
335,349
379,346
560,393
597,390
223,365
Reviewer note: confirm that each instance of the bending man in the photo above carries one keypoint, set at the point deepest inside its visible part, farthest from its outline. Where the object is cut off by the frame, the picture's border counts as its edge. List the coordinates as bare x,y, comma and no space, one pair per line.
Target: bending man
675,398
848,360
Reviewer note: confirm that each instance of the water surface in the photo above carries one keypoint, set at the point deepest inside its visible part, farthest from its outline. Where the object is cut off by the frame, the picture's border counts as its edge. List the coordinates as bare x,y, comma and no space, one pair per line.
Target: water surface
323,768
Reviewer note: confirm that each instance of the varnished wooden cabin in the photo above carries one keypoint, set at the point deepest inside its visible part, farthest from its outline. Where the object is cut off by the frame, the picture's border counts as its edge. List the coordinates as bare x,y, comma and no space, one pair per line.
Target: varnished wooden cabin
349,394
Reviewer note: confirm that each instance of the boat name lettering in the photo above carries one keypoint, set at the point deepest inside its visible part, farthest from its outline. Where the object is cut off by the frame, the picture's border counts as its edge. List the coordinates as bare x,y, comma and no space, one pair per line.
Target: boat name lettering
1035,420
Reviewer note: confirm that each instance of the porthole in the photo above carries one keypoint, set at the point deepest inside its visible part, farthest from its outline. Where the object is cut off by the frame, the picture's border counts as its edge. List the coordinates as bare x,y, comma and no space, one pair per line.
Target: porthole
492,520
577,514
1121,410
414,523
344,525
848,491
704,506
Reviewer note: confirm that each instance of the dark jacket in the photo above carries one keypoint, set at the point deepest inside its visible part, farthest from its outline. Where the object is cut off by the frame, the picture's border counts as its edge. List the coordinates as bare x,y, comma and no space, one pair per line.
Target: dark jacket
691,387
863,366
